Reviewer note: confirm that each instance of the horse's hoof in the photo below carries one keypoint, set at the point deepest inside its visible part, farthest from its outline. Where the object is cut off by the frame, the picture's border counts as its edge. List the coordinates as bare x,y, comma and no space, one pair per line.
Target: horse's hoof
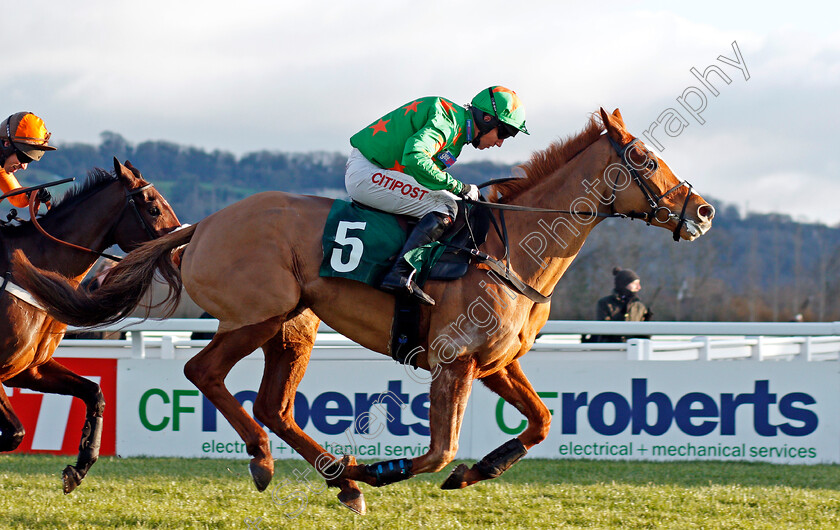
260,473
455,480
354,500
71,479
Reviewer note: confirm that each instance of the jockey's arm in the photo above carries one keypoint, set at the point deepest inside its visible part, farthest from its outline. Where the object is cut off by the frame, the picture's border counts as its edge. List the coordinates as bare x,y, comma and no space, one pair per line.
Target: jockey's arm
418,162
8,183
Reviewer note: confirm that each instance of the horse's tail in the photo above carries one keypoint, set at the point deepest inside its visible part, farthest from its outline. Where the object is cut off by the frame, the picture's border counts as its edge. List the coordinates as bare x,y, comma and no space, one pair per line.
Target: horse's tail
120,293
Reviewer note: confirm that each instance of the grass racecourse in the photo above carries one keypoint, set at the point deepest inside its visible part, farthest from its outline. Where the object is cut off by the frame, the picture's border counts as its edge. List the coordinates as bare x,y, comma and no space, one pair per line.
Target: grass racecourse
192,493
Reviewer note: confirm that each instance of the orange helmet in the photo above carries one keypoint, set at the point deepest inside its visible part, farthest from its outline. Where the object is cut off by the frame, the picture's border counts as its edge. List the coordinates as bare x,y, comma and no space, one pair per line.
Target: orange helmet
27,133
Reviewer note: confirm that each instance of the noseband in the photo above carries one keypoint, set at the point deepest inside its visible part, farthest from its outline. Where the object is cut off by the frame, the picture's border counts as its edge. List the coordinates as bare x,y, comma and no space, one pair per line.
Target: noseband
661,214
129,201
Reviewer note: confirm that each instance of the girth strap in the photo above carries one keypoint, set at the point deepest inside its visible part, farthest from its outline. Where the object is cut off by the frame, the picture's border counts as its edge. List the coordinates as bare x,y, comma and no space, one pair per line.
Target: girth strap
506,274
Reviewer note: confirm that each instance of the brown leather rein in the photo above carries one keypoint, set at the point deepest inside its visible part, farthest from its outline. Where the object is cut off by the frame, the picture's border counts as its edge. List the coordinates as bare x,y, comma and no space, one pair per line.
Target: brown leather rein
34,204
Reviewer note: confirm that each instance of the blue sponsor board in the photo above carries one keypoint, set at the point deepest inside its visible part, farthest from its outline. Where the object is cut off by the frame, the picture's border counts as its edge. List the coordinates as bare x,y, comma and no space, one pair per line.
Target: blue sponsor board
769,411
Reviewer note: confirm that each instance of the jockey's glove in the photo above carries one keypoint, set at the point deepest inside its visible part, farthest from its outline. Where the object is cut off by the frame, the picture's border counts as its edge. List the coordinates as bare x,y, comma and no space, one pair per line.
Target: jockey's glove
43,196
469,191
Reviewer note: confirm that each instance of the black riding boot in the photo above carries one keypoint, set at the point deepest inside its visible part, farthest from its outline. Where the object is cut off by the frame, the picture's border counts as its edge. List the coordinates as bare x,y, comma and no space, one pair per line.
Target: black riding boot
400,279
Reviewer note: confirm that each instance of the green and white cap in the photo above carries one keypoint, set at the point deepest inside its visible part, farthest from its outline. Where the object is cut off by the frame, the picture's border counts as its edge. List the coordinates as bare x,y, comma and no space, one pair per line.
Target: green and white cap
503,104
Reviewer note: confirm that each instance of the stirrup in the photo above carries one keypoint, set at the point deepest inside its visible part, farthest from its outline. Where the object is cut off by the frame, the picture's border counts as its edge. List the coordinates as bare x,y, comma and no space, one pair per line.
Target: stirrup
405,286
417,293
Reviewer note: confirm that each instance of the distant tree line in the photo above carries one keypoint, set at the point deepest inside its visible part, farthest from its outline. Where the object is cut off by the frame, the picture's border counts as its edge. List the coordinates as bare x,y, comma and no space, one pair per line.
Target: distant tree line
754,268
198,183
750,268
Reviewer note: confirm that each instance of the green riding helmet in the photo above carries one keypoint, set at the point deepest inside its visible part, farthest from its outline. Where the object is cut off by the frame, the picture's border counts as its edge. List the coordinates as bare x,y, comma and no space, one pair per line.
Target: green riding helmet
504,108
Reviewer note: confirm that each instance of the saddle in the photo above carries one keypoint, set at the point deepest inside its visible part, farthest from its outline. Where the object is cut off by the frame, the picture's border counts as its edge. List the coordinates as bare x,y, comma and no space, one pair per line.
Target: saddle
452,260
362,243
468,231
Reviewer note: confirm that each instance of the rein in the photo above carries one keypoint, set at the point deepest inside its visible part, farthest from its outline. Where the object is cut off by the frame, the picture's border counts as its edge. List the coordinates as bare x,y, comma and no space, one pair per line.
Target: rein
650,195
34,204
503,269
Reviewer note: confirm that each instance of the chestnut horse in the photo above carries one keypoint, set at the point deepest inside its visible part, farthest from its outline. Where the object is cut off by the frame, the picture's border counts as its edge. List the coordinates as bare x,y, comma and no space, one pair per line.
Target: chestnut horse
119,208
255,266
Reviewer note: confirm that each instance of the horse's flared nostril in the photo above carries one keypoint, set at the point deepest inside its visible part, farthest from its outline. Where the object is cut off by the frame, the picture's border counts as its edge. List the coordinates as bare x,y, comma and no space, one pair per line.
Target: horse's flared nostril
706,212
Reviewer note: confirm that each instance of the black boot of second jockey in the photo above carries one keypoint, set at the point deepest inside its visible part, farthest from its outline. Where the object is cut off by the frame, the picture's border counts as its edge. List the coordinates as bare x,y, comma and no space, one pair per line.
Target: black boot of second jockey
400,279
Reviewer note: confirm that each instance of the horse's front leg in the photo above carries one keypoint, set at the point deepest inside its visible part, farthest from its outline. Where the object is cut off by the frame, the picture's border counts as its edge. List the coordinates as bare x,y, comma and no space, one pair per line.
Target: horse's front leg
11,429
511,384
53,378
448,396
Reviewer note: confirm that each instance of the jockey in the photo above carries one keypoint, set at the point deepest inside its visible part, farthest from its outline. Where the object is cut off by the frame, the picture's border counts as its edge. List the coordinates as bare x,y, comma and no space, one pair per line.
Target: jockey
398,164
24,139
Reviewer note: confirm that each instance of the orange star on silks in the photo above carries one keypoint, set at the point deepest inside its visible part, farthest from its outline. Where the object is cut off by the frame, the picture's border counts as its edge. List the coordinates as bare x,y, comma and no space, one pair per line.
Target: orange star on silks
379,126
446,105
460,132
516,100
397,167
411,106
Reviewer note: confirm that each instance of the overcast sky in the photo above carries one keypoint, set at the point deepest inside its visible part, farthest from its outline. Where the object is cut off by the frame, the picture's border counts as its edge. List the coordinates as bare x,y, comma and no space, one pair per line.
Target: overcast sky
306,75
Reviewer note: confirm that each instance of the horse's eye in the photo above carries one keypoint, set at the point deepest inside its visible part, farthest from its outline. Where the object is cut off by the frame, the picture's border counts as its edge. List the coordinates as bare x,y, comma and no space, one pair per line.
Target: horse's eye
154,211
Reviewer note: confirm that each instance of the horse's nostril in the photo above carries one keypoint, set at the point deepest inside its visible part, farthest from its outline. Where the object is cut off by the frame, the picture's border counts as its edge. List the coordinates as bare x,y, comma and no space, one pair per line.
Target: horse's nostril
706,211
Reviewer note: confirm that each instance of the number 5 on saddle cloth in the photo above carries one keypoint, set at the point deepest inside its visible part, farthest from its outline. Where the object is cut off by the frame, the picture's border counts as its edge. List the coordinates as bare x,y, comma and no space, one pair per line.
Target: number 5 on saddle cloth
361,243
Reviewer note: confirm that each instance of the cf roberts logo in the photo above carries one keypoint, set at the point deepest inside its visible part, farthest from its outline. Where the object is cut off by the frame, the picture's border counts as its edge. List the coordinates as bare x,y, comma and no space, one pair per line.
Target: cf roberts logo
693,413
329,412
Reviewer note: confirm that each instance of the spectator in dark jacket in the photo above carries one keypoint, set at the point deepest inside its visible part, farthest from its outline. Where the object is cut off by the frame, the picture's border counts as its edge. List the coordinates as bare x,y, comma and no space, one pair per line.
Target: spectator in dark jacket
623,305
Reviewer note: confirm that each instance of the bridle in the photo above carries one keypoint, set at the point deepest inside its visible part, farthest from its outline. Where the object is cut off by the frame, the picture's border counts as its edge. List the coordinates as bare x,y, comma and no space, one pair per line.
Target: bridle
653,198
34,204
503,269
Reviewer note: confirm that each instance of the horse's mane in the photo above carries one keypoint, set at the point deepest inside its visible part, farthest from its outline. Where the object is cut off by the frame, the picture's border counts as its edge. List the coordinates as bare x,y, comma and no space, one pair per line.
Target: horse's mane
546,162
97,178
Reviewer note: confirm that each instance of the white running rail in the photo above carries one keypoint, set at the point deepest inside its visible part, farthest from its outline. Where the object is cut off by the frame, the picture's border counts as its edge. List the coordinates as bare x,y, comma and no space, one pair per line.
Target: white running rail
670,341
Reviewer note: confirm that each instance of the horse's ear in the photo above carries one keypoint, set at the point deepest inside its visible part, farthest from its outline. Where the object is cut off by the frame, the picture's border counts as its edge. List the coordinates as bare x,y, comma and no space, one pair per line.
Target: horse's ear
133,169
615,127
118,168
126,171
616,114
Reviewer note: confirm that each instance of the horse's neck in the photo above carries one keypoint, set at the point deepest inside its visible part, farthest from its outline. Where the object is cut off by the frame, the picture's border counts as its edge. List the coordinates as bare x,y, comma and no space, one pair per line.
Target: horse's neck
87,224
542,246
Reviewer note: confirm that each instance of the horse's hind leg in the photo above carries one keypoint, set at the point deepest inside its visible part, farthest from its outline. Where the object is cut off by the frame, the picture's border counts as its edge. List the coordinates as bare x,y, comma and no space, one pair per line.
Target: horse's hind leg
207,371
286,358
11,429
53,378
511,384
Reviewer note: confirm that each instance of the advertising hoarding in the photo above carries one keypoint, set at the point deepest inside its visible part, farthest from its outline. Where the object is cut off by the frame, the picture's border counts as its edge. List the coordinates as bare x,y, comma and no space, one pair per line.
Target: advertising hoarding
781,412
53,422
